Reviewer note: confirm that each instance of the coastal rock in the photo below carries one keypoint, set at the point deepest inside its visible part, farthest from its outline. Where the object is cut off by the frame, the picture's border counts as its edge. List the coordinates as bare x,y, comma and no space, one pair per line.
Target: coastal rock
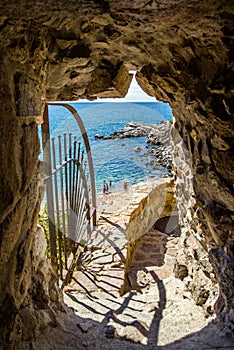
132,129
98,136
158,136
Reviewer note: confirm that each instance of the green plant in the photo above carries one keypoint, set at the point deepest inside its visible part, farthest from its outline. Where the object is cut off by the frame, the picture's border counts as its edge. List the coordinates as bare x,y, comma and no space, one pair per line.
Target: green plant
43,221
64,246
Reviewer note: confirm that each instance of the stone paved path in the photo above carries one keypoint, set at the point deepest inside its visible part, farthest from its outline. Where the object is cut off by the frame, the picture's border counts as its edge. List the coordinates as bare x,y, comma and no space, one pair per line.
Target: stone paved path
155,312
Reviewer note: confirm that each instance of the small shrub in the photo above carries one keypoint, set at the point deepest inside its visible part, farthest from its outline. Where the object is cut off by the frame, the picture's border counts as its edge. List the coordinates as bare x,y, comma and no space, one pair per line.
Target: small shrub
43,221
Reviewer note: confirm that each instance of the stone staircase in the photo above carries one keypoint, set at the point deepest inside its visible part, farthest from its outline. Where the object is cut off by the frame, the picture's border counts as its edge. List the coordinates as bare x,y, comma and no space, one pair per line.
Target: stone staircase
125,296
153,310
95,289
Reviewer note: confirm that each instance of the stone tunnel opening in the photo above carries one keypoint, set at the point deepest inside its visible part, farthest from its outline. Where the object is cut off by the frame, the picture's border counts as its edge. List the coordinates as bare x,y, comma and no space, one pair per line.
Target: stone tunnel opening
140,107
140,257
183,57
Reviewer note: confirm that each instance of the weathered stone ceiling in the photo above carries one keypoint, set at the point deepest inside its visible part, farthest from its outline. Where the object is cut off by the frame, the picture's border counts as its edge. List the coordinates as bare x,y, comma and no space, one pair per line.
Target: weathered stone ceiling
136,8
86,43
182,50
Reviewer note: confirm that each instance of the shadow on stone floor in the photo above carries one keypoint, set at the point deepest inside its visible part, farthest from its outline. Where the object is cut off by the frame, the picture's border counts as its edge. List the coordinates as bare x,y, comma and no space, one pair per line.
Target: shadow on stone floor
101,278
137,319
77,333
208,338
122,315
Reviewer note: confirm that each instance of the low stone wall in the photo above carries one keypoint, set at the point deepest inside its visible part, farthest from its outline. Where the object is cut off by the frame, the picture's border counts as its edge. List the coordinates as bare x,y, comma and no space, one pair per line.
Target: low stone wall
158,202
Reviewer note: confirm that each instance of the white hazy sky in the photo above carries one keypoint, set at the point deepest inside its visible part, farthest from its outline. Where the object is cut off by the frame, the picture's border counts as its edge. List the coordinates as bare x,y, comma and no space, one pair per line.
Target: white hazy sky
135,93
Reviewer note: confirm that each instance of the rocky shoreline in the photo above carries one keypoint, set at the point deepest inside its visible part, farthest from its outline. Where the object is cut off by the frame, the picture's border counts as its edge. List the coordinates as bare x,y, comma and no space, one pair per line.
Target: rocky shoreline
132,129
158,146
161,150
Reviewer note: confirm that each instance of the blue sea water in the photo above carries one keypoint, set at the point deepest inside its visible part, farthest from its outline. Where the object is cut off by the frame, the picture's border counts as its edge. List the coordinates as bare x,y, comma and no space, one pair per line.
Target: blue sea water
113,160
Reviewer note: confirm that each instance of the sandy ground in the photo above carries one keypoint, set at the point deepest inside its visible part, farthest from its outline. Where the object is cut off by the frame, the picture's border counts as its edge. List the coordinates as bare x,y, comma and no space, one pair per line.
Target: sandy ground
119,202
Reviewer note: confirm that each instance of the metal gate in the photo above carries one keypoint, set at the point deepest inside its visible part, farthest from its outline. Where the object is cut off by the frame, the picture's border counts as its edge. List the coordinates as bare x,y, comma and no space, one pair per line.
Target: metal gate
70,193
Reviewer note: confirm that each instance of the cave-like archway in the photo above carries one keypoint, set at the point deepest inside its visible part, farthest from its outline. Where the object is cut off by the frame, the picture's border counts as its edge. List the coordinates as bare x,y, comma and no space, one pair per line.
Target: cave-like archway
183,53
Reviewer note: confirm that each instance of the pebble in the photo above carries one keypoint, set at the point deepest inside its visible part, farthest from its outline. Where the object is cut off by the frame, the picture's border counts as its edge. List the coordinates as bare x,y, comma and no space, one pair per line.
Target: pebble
110,331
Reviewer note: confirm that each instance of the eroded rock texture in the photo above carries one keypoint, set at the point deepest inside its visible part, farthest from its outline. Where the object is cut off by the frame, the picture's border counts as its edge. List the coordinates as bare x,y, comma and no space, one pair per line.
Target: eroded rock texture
183,53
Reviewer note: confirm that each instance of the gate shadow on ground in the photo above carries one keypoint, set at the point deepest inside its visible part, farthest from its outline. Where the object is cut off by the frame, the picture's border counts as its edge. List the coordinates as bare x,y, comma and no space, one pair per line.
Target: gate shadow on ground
103,303
208,338
97,300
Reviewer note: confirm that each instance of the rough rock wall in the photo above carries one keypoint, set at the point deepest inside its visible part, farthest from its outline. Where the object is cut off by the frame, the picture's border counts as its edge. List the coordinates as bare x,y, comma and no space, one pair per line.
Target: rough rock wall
193,265
183,52
28,284
197,79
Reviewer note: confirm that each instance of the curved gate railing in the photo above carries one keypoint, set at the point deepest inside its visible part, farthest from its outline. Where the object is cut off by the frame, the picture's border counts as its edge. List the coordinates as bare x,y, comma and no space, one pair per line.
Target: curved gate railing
70,192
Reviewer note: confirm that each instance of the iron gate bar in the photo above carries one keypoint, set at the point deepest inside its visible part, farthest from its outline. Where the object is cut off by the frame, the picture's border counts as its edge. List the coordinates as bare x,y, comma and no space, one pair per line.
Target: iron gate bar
76,195
77,170
73,173
64,231
66,186
88,151
81,213
79,194
47,158
70,166
76,225
57,204
75,215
